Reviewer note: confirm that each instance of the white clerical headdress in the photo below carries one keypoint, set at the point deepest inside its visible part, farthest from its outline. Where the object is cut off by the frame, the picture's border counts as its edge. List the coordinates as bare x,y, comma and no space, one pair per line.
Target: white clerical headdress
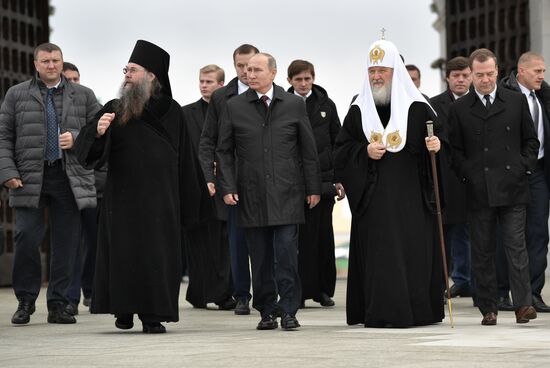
403,94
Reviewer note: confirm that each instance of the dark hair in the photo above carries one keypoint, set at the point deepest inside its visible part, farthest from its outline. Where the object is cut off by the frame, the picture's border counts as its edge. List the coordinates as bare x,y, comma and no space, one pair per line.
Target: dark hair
413,67
457,63
48,47
299,66
245,49
70,66
481,55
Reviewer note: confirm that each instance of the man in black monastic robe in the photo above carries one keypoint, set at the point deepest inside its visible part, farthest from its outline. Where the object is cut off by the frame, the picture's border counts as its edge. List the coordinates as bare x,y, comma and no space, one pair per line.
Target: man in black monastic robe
149,194
207,245
382,159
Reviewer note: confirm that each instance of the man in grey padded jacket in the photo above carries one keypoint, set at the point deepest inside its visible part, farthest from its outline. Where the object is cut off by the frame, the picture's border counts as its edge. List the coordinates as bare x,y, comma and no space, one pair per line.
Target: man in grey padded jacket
39,122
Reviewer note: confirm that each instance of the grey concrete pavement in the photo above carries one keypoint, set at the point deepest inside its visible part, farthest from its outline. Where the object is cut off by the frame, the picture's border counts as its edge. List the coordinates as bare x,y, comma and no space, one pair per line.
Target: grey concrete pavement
212,338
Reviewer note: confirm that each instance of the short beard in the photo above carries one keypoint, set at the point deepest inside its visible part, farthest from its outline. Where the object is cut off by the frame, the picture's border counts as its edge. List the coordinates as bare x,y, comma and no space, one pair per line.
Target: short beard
133,99
381,95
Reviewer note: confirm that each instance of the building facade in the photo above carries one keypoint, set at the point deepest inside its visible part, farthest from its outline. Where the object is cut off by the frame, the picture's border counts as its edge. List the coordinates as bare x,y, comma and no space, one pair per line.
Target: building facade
506,27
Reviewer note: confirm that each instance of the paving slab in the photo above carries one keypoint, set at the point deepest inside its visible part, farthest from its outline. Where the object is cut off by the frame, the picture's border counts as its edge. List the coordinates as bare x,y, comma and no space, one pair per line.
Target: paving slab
212,338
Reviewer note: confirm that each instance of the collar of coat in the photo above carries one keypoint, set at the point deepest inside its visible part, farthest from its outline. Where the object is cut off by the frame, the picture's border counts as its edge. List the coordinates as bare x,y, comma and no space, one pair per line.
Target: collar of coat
317,90
478,108
278,94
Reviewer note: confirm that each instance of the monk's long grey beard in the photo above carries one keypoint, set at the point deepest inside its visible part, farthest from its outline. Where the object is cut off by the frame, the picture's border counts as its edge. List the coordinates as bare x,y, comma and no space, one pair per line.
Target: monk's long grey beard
133,99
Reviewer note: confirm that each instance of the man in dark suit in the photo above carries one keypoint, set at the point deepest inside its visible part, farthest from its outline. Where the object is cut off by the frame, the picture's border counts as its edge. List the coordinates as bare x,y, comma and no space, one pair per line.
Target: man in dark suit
529,80
457,238
207,146
277,170
206,246
495,147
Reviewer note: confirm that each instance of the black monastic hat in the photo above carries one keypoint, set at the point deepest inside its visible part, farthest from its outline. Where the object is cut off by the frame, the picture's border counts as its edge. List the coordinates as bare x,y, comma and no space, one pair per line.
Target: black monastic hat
155,60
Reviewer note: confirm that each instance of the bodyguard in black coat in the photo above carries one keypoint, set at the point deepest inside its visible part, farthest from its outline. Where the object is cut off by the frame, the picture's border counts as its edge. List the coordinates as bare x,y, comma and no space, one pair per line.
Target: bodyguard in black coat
207,147
316,260
495,148
276,168
529,82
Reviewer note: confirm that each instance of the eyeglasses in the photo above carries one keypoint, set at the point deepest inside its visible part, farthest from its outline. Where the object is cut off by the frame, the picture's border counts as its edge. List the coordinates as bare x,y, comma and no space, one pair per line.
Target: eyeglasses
132,70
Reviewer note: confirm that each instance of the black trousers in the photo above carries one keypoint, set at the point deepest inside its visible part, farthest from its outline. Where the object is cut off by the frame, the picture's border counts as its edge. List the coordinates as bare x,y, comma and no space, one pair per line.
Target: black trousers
536,235
64,224
483,241
274,258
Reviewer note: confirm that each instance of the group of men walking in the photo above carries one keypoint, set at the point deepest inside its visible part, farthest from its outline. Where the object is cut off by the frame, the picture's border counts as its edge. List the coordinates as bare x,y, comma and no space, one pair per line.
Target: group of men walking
248,176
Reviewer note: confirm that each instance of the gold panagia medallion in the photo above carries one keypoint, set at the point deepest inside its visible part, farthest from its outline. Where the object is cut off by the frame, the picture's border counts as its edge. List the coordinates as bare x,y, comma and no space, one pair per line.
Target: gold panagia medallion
376,55
375,137
393,140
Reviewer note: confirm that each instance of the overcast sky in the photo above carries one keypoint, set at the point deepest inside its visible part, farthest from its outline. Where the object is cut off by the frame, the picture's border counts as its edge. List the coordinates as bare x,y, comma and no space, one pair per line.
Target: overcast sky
98,36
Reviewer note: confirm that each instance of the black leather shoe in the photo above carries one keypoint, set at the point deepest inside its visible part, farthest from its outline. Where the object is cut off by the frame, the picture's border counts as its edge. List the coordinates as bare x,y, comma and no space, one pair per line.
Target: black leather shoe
462,291
60,315
540,305
489,319
227,304
23,313
72,309
153,327
289,322
505,304
243,307
267,323
124,321
325,300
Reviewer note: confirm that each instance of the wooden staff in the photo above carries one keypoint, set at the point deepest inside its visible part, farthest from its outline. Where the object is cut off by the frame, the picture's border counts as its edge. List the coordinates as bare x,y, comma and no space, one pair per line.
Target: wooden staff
430,126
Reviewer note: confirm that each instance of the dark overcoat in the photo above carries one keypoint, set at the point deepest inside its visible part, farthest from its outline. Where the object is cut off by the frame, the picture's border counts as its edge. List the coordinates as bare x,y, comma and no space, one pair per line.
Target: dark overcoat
543,95
206,246
276,158
455,192
325,125
493,149
209,138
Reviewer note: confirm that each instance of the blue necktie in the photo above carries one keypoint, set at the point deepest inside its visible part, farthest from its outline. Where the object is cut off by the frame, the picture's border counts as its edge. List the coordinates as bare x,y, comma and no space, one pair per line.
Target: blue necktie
52,139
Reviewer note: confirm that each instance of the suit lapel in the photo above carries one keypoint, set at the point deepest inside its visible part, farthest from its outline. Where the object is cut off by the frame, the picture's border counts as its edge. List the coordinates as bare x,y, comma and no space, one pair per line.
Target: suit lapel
478,109
496,108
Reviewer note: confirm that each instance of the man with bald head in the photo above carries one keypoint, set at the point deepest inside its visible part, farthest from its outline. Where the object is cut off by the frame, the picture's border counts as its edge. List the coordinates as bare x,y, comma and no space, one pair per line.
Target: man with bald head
277,171
529,81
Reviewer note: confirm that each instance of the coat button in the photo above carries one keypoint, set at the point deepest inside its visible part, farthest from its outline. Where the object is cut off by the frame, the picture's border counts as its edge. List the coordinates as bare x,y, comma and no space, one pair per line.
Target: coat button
486,169
266,150
508,128
507,167
486,149
267,176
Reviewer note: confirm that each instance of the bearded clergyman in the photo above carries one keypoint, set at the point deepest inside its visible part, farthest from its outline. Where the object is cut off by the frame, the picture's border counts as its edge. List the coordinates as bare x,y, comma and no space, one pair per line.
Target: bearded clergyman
154,189
382,157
